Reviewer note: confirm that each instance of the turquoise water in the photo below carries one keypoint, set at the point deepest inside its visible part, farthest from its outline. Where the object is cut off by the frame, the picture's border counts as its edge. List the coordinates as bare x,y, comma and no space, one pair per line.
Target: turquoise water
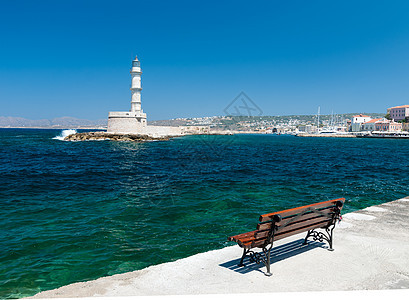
76,211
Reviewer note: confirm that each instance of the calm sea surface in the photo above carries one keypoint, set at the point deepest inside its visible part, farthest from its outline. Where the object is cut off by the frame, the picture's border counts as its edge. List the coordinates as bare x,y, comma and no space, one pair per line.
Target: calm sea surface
76,211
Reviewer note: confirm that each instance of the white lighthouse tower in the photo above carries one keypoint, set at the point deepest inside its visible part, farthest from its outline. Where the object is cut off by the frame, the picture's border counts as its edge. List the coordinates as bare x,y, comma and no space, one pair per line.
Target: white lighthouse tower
133,121
136,88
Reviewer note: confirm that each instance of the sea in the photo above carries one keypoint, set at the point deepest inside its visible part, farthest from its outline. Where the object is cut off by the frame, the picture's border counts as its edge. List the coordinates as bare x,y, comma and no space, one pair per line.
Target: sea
77,211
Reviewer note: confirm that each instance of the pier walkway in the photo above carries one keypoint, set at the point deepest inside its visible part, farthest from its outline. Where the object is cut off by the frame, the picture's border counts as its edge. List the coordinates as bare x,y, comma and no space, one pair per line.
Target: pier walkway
371,253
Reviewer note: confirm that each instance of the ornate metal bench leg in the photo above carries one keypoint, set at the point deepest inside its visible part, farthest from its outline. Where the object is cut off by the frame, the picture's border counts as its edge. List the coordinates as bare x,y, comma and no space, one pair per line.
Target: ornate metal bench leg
306,238
242,258
330,234
320,236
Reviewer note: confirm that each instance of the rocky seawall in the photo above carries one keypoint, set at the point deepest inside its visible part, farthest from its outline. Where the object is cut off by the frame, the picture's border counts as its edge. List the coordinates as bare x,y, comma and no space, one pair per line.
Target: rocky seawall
326,135
102,135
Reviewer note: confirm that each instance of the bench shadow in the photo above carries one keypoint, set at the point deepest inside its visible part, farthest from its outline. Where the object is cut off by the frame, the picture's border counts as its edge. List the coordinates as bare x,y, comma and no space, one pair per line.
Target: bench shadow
277,254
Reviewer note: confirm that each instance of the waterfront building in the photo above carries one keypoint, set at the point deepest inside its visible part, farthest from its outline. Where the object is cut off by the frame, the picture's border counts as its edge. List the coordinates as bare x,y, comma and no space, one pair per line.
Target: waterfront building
405,126
348,125
388,125
307,128
341,128
357,121
370,125
398,113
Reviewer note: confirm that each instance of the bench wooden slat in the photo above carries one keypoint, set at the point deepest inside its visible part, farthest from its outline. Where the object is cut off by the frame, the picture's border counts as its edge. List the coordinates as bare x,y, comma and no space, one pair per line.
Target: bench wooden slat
286,234
260,242
267,226
257,235
242,236
292,227
297,210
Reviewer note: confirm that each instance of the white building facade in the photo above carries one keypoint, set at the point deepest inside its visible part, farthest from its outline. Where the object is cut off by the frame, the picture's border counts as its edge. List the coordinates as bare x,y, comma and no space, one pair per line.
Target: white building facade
356,122
370,125
307,128
388,125
398,113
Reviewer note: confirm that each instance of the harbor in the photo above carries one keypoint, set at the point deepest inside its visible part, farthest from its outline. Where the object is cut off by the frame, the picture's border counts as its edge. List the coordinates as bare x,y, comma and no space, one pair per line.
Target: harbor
91,208
385,135
332,135
376,135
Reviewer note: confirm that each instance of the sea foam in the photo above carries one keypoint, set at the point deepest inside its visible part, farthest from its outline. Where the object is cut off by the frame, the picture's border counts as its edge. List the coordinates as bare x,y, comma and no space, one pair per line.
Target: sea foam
64,134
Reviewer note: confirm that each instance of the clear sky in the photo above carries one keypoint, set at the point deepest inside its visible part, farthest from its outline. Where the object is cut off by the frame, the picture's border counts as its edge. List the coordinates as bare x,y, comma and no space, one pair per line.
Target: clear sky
72,58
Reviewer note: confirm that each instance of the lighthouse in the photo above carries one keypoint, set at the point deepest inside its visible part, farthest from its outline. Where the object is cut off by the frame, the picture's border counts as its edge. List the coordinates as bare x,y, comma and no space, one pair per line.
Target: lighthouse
136,87
134,120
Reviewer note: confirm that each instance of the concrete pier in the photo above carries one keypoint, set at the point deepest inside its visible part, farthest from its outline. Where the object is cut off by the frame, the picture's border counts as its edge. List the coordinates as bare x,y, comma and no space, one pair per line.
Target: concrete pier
334,135
371,253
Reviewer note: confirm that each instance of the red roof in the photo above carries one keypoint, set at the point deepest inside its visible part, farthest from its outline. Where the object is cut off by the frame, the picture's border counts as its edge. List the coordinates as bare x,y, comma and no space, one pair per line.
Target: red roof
361,116
373,121
401,106
386,121
383,121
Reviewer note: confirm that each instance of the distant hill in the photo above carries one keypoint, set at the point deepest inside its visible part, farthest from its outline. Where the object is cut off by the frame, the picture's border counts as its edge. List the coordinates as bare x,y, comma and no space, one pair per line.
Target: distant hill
217,122
258,119
63,122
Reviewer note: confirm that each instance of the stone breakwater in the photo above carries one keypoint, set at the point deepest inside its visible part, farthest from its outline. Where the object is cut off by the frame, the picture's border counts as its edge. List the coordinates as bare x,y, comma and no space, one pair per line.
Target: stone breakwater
327,135
102,135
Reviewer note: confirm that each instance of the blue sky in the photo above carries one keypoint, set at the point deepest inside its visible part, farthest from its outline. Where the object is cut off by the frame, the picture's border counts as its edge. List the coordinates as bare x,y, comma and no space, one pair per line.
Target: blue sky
72,58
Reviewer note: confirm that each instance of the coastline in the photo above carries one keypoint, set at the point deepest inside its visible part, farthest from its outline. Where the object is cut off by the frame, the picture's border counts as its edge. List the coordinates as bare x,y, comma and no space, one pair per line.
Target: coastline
125,137
326,135
102,135
385,135
370,245
56,127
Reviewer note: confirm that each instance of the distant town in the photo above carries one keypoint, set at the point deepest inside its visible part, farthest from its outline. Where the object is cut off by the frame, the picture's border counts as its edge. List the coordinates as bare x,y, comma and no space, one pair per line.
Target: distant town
394,120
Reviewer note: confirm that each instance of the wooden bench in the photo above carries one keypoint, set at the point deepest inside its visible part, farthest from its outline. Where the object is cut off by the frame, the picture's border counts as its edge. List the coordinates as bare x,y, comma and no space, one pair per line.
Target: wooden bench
276,226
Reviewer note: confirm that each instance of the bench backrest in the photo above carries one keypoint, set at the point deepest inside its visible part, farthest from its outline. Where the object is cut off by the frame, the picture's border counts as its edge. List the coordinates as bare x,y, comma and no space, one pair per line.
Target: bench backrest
296,220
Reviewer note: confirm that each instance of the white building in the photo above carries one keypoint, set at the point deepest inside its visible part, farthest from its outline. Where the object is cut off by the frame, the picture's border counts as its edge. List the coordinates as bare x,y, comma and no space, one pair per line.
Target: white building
370,125
357,121
134,121
388,125
398,113
307,128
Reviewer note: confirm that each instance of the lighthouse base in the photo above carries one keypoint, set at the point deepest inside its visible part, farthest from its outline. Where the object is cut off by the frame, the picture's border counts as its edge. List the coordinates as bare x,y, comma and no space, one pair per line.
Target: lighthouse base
135,123
126,122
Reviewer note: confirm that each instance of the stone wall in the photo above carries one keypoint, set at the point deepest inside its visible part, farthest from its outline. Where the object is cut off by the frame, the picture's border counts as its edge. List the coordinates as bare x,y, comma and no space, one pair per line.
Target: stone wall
127,125
124,125
195,129
158,131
